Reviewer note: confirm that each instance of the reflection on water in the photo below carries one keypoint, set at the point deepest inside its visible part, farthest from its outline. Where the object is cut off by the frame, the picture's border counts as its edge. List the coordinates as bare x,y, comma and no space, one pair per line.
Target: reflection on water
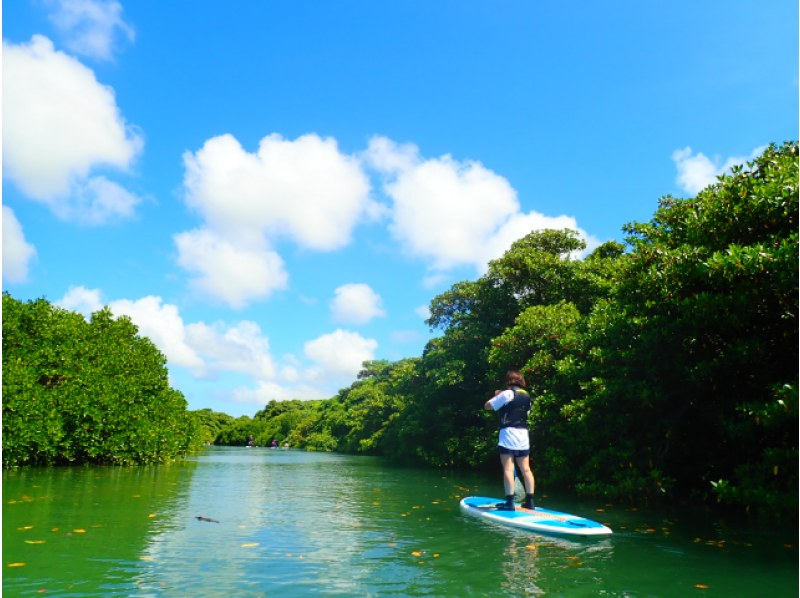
292,523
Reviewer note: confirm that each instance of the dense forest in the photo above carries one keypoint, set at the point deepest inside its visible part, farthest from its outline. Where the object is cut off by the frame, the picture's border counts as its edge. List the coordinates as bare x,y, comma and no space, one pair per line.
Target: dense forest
662,368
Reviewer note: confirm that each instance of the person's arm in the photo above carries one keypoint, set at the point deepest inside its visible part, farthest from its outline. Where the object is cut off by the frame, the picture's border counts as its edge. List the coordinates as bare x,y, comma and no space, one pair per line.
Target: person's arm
500,398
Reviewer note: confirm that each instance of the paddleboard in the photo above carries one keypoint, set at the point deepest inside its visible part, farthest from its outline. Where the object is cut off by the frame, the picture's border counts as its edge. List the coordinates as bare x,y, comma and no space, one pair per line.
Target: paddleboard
540,520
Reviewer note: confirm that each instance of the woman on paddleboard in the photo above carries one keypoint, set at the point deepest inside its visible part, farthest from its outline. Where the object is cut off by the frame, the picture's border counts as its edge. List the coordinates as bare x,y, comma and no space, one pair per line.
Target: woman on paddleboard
513,406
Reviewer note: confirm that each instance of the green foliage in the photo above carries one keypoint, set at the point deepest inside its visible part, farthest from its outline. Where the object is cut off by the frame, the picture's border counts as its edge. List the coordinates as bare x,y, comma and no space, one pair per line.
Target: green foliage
210,423
698,347
362,418
282,421
85,392
669,371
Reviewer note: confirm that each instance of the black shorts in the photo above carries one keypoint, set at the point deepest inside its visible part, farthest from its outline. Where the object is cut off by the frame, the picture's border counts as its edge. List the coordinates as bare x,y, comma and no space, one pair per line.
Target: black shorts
514,452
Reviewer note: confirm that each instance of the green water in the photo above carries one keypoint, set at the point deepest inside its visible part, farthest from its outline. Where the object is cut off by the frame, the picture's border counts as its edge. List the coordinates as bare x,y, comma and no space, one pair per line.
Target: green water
301,524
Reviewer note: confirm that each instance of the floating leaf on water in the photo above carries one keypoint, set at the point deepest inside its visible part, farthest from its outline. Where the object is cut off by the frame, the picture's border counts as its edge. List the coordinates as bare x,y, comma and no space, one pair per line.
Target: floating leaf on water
416,553
151,515
79,531
17,565
249,544
436,555
701,586
23,528
34,541
145,558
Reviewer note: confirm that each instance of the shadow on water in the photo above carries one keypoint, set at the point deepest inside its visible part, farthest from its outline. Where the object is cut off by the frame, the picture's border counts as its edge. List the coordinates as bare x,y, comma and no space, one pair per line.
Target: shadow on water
291,523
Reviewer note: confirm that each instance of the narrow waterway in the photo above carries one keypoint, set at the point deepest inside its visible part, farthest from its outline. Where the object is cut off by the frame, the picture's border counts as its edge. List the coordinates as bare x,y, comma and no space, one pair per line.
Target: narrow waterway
291,523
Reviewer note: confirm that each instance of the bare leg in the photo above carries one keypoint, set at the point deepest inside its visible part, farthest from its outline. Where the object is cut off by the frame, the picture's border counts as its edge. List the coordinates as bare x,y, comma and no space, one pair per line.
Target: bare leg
508,473
524,465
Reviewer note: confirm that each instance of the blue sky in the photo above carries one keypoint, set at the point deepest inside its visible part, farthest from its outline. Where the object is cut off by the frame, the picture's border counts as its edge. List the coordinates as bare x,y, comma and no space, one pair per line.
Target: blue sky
274,191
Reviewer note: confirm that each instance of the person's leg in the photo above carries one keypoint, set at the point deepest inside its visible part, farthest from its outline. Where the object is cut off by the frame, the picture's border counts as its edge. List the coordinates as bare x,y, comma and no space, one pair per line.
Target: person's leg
507,461
524,465
527,477
508,473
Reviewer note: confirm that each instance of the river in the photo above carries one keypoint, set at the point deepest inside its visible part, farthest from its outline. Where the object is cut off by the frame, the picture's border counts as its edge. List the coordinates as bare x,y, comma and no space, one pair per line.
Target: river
292,523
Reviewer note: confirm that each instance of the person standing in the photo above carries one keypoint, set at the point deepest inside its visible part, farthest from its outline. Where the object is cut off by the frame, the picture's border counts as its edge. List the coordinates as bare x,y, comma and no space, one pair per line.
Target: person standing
513,405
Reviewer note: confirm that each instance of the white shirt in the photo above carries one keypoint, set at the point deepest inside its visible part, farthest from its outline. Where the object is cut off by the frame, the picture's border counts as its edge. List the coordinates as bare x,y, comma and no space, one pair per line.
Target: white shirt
511,438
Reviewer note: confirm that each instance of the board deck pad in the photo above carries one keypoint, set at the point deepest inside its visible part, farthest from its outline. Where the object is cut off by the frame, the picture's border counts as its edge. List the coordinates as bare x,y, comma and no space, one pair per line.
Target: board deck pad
539,519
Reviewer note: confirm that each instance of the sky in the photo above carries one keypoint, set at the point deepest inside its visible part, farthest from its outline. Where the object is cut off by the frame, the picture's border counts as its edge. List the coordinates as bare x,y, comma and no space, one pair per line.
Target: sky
274,191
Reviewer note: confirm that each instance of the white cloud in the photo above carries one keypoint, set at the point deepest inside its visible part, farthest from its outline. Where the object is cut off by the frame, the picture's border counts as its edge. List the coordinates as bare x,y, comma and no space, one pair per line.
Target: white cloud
239,348
453,213
17,252
356,303
163,324
340,353
91,27
698,171
59,123
229,271
222,349
82,300
264,392
304,190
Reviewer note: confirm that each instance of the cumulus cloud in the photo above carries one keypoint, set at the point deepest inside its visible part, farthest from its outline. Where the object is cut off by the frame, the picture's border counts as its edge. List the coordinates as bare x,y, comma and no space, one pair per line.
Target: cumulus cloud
212,350
450,212
340,353
163,324
91,28
698,171
17,252
356,303
60,123
231,271
241,348
82,300
303,191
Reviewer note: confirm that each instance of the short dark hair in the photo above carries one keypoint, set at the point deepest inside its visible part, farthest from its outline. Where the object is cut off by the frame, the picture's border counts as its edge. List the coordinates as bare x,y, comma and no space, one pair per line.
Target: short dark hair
514,378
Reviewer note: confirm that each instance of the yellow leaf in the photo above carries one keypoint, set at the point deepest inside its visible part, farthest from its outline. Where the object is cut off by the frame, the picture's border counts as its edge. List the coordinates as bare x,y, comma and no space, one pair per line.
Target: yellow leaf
416,553
145,558
79,531
701,586
151,515
17,565
34,541
249,544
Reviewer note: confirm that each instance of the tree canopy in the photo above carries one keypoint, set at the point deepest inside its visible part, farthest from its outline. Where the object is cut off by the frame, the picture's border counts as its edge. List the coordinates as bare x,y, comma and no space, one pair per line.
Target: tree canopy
85,392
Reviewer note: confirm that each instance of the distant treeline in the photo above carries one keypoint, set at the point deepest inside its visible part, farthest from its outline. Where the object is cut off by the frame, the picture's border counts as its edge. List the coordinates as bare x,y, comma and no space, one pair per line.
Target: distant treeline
663,368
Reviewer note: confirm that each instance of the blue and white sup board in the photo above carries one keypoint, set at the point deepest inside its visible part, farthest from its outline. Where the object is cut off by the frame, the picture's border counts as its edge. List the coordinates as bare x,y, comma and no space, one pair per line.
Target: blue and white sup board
538,520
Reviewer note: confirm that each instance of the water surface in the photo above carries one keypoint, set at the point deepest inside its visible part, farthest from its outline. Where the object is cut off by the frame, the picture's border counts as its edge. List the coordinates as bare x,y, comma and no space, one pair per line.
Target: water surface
292,523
